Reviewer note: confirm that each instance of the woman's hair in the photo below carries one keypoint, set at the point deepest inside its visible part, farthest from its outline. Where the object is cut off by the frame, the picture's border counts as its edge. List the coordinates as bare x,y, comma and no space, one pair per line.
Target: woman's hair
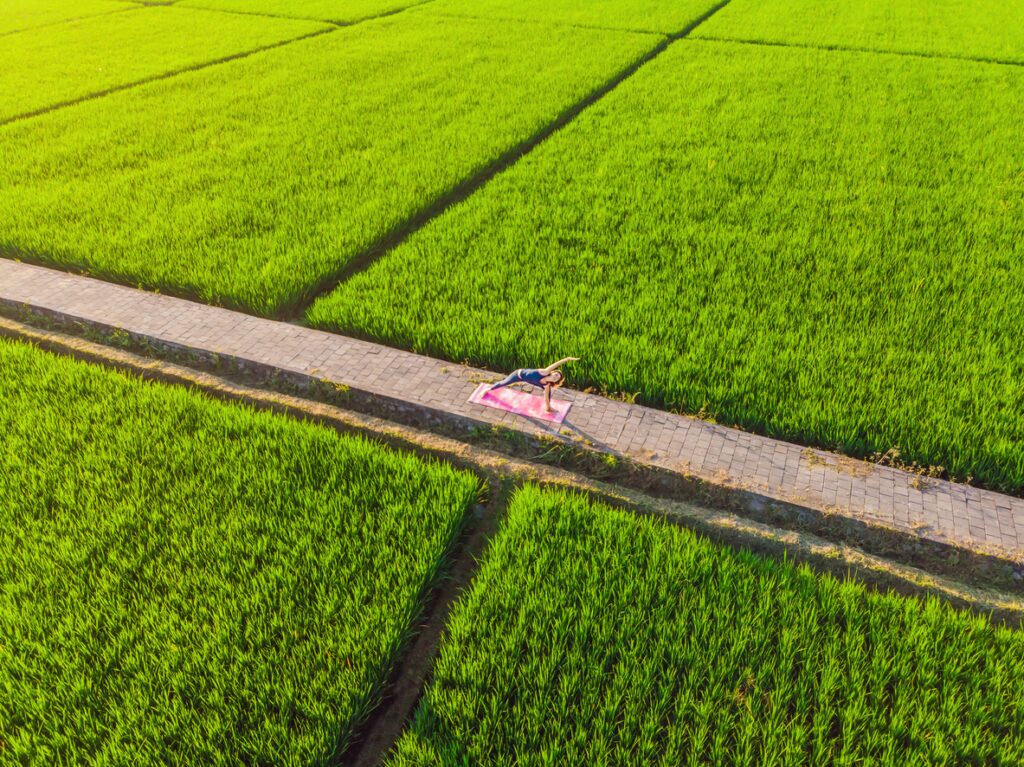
558,373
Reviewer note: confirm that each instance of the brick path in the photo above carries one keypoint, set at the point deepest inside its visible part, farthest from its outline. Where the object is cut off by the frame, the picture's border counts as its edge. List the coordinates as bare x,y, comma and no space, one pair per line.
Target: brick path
812,479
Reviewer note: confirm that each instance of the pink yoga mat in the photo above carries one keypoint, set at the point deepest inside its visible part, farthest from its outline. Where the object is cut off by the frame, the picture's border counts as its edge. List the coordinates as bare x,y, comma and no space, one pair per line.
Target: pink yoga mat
520,403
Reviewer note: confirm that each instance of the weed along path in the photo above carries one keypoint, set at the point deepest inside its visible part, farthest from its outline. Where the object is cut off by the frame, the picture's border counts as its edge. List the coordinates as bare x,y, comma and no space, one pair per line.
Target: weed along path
761,474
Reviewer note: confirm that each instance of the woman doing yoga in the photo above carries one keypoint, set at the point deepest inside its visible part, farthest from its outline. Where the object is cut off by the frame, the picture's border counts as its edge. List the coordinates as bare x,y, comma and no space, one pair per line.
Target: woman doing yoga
548,378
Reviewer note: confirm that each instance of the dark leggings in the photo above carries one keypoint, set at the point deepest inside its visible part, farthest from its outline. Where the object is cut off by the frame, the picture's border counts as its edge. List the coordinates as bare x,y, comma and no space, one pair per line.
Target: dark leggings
516,376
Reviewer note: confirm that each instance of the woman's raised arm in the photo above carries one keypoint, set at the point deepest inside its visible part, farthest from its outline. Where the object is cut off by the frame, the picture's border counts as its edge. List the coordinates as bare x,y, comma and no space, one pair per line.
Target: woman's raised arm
555,365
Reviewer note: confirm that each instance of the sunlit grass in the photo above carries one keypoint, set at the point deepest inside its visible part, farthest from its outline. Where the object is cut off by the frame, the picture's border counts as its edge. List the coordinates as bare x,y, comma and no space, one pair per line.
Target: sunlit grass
665,16
341,11
185,582
19,15
992,29
593,636
252,182
69,61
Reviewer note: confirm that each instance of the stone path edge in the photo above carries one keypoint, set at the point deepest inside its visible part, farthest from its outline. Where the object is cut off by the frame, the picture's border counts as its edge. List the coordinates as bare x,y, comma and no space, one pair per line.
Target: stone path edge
881,509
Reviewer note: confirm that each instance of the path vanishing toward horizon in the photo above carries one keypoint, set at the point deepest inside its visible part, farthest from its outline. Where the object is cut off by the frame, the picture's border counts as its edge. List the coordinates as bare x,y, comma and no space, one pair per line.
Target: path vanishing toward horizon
935,510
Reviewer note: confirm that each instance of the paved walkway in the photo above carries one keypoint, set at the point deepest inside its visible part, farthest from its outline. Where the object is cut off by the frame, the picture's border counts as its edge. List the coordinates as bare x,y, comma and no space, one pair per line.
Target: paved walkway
821,481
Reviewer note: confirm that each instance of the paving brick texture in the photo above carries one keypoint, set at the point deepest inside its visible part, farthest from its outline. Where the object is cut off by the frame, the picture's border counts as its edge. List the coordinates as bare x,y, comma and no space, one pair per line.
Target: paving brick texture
936,510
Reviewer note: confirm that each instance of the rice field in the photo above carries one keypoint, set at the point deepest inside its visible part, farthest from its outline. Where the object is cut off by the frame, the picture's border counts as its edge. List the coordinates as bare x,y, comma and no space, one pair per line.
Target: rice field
186,582
805,219
664,16
637,643
343,12
71,61
19,15
818,245
982,29
254,196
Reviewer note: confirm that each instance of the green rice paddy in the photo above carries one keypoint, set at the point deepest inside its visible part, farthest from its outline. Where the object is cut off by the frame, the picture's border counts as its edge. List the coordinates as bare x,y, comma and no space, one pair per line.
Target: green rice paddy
984,29
809,223
186,582
664,16
592,636
19,15
338,11
253,196
72,61
817,245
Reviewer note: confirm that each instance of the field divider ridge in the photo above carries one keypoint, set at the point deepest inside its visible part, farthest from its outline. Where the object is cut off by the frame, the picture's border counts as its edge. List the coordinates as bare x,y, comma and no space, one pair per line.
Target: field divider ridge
857,49
233,12
151,3
403,231
165,75
378,736
383,15
949,527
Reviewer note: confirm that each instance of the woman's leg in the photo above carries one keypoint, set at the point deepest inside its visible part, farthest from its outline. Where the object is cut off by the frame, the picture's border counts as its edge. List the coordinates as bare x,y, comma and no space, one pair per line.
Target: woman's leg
514,377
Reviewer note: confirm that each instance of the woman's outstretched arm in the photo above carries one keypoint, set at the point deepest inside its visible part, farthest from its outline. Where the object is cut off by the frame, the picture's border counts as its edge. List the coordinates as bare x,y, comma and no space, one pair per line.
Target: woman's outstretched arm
555,365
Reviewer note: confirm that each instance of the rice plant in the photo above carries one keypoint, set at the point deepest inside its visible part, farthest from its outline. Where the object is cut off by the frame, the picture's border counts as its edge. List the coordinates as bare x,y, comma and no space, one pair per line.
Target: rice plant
593,636
185,582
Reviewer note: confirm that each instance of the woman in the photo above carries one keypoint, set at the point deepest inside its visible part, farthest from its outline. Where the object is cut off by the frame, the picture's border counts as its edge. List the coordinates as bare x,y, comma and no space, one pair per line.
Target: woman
548,378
